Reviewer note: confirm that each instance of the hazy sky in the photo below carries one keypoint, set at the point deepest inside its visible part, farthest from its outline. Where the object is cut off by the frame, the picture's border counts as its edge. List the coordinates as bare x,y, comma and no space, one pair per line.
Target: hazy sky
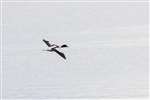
107,54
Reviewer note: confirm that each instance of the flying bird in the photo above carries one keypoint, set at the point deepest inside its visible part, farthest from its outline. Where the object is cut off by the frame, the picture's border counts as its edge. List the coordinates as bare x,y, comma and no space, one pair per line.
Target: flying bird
53,48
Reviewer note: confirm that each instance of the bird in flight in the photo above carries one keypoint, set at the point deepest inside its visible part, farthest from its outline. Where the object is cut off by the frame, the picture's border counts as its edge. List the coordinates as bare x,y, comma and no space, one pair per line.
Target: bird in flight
53,48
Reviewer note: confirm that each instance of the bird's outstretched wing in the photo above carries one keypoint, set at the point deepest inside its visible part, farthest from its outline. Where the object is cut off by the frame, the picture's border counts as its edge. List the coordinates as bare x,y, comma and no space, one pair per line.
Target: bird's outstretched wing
47,43
59,53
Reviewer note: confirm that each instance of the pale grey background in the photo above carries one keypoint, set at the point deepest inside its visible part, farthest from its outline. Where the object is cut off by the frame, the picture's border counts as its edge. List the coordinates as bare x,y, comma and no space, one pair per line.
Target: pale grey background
107,54
78,0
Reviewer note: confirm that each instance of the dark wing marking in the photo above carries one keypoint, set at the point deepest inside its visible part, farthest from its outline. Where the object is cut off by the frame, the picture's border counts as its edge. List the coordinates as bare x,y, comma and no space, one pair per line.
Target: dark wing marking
47,43
60,53
64,46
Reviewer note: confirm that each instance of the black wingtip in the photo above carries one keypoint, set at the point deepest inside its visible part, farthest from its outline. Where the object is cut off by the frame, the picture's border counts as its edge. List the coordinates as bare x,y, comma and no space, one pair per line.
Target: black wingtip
65,58
44,40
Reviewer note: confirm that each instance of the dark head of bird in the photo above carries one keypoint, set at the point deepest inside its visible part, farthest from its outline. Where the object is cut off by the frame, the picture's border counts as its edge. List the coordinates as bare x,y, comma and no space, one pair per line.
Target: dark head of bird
63,46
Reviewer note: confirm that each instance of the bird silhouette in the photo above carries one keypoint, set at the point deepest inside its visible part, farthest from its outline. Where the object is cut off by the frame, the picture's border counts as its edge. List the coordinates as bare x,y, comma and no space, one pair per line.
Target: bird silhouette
53,48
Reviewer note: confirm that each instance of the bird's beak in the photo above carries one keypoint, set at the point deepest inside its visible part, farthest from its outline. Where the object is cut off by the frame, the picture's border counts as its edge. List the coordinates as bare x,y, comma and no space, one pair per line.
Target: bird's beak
44,50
